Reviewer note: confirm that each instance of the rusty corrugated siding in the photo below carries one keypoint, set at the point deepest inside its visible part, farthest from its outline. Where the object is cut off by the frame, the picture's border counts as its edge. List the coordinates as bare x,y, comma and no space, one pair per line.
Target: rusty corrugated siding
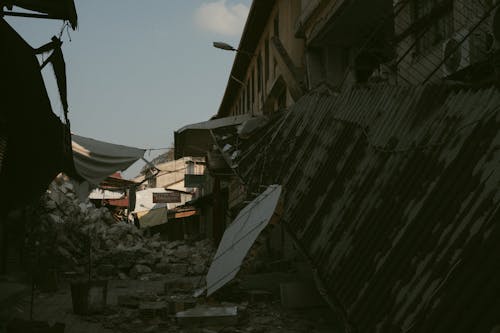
394,194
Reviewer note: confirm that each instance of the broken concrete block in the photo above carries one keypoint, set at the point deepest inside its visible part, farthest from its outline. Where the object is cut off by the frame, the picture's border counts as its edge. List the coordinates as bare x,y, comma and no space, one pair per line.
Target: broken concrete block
182,252
180,269
177,303
150,310
56,219
162,267
208,316
178,284
198,269
138,270
174,244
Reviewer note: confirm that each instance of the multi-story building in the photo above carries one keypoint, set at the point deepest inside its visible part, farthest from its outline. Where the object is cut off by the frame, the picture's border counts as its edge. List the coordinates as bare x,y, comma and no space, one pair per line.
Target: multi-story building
388,182
267,72
346,41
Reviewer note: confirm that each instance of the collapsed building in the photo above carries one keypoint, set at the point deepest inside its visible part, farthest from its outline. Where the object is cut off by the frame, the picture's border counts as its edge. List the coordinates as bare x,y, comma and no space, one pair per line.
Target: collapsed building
380,121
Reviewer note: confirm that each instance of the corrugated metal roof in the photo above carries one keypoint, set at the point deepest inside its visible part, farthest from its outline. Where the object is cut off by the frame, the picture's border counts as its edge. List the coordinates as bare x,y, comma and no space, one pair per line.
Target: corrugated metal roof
393,192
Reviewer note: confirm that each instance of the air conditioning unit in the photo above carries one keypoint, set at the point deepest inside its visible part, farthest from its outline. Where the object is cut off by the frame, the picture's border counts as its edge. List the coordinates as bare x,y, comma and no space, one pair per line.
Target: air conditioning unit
466,48
456,52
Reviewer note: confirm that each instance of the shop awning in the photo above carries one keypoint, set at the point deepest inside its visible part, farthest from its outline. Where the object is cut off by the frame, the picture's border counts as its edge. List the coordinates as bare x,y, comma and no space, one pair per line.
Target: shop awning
195,140
240,236
96,160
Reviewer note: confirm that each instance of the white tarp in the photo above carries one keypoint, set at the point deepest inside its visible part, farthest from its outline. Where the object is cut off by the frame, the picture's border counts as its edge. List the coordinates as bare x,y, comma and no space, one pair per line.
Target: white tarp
95,160
240,236
98,193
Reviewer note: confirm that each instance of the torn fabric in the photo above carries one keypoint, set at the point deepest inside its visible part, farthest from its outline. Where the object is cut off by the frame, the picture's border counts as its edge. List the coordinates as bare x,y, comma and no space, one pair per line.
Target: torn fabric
95,160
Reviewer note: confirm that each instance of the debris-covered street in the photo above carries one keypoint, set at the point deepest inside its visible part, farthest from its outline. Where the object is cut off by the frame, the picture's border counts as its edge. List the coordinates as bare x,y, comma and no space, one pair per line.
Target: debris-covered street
246,166
152,285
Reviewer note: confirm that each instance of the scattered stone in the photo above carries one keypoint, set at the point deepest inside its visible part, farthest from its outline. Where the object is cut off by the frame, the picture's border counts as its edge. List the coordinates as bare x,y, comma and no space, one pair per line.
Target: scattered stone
178,303
128,301
197,269
150,310
69,226
139,270
180,269
106,270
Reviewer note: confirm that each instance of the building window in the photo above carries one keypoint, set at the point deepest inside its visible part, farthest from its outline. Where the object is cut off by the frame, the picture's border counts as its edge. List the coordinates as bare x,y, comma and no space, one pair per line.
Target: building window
259,74
266,60
248,95
252,91
439,14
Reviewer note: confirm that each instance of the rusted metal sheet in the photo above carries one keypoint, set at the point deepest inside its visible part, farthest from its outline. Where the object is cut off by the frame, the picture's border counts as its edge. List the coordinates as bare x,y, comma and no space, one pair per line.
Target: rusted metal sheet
393,192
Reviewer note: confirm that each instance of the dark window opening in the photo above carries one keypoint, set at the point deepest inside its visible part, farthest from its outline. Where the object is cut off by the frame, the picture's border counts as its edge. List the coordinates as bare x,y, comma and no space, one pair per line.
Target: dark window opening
248,96
252,91
282,100
266,60
259,73
439,15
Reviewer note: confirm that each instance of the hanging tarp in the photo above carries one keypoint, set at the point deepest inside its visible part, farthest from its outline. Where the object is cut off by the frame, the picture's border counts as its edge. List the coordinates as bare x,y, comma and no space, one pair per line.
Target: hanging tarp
240,236
95,160
153,217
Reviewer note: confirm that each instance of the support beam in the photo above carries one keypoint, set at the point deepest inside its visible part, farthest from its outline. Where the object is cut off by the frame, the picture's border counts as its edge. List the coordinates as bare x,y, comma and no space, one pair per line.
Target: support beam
31,15
291,74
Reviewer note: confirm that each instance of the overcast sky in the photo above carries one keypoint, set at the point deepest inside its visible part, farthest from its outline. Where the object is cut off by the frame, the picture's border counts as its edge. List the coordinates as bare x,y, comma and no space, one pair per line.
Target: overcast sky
138,71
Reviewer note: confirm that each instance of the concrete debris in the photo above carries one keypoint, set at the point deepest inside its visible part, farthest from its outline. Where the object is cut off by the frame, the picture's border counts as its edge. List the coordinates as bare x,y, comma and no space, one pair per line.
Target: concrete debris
118,249
261,299
222,316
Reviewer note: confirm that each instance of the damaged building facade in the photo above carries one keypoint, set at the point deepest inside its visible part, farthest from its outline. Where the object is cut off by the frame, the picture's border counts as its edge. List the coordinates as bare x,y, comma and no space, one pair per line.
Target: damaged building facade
386,148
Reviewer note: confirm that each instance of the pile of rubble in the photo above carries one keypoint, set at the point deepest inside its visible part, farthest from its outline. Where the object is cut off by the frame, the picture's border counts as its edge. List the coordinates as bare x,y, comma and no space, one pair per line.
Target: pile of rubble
76,233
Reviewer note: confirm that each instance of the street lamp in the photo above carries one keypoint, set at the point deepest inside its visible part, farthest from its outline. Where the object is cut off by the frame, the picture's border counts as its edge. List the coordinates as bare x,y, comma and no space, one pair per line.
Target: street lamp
224,46
227,47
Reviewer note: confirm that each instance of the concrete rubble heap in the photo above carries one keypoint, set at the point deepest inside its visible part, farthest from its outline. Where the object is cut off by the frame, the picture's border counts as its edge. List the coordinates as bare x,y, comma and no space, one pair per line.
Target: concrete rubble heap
118,249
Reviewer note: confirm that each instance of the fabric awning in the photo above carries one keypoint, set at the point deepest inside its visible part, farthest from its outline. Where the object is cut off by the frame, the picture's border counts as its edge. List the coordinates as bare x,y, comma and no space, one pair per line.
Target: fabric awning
153,217
240,236
95,160
195,140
